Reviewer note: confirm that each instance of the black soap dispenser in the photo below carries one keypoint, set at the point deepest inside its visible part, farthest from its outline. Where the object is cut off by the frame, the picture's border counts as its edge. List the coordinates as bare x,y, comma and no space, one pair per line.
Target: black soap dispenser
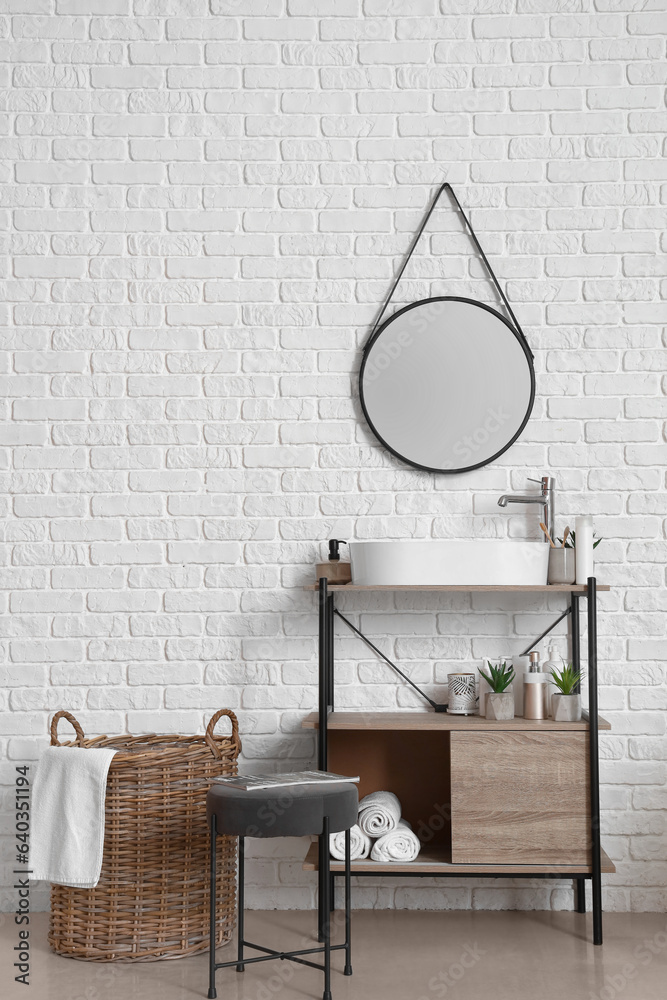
335,570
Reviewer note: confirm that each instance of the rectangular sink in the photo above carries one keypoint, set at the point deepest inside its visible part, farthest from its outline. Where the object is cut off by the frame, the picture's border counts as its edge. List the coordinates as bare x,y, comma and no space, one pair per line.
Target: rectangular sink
453,562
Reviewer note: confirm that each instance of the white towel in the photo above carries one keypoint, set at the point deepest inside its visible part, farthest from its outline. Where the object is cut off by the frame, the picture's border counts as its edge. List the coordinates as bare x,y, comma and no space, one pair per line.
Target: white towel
360,844
379,813
399,845
67,827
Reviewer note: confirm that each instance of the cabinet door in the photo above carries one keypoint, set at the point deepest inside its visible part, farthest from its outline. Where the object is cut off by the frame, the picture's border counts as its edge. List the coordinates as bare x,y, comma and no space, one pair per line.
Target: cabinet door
520,798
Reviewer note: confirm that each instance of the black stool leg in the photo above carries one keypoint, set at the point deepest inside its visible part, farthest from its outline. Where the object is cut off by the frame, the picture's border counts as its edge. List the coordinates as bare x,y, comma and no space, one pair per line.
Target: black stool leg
241,967
326,914
581,895
348,941
211,954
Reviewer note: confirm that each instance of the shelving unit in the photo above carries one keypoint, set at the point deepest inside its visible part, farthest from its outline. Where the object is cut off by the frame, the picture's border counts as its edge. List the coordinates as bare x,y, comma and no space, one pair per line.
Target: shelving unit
552,588
420,721
436,860
488,799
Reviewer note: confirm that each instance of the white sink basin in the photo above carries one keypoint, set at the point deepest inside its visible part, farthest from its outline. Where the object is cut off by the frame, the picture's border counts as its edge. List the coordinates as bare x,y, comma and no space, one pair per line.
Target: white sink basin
454,562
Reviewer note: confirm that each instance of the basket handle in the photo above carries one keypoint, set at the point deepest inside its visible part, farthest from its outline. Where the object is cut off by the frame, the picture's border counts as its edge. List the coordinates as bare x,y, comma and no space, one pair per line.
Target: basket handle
208,737
55,742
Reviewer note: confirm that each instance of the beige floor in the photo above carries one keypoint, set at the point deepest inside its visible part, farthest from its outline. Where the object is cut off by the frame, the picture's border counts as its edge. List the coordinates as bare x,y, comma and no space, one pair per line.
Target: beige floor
398,955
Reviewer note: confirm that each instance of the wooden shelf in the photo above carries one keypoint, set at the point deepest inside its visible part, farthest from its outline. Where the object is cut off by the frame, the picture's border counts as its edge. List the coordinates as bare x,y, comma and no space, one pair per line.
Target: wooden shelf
443,721
551,588
436,860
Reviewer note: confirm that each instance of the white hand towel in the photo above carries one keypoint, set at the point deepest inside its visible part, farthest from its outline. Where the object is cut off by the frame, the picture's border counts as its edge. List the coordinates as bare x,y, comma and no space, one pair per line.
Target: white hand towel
360,844
67,827
400,845
379,813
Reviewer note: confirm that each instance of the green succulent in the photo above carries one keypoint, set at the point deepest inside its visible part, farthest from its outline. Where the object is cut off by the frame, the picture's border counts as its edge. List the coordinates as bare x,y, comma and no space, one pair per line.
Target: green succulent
499,678
567,679
570,541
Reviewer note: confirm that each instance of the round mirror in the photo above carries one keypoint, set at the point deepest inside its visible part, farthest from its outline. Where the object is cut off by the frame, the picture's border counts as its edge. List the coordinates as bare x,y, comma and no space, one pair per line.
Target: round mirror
447,384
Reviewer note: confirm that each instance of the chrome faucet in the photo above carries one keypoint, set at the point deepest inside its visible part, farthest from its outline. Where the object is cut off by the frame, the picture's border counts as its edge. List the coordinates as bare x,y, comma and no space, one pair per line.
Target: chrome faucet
546,498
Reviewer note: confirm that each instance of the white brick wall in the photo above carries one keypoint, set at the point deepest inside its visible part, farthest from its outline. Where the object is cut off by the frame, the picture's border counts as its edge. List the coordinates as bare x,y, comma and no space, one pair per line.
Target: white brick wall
202,206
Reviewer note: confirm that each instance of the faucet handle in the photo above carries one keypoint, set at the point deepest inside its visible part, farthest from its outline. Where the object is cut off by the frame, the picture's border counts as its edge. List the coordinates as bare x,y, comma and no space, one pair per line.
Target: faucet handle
546,482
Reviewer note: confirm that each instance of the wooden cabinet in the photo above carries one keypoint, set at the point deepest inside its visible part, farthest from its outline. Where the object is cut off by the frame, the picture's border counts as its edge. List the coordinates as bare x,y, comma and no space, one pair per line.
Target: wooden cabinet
520,798
482,796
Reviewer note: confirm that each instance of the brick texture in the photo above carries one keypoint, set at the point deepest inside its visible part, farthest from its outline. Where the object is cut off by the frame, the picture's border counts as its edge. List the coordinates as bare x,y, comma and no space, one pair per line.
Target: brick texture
201,206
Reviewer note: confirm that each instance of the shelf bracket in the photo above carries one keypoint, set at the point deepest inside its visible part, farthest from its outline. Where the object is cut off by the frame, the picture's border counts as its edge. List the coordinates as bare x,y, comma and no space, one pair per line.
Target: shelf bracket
353,628
527,650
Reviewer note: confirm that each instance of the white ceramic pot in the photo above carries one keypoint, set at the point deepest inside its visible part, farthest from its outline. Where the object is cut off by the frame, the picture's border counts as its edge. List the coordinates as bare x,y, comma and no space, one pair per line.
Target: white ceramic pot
500,706
567,707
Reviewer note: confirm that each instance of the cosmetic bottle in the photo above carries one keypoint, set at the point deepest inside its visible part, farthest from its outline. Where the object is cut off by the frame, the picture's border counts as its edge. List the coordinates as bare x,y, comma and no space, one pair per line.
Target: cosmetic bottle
521,666
583,548
535,690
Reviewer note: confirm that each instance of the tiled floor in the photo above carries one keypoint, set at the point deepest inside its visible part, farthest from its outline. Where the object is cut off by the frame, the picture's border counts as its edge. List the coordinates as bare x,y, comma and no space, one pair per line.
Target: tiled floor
398,955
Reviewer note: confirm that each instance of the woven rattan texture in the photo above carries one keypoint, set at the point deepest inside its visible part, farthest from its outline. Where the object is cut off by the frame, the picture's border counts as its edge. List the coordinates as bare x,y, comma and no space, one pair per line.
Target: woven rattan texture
152,900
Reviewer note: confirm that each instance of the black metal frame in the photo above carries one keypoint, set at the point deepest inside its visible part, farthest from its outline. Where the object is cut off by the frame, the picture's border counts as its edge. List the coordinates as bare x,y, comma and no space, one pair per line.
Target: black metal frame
324,925
531,373
327,612
512,326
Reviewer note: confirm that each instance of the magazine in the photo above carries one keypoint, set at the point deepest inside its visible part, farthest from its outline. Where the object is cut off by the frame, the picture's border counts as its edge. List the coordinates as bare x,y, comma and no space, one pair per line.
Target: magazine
255,782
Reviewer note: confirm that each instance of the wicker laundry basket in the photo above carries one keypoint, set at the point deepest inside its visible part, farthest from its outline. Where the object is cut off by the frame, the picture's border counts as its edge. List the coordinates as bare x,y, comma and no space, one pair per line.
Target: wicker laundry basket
152,899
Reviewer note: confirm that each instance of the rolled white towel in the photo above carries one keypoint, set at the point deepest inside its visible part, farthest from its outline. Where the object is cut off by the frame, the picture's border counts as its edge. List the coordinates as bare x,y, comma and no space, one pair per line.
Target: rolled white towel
401,845
360,844
379,813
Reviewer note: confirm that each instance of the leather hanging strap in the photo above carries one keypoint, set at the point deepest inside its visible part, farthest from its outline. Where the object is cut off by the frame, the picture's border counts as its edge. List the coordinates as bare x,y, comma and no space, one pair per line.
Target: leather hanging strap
413,246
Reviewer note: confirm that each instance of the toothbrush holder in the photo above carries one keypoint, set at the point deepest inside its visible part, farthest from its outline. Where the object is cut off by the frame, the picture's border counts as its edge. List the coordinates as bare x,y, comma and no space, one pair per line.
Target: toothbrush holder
561,565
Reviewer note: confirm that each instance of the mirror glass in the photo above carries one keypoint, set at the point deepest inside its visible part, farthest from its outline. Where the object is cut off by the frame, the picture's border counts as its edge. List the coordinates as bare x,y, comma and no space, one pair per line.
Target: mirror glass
447,384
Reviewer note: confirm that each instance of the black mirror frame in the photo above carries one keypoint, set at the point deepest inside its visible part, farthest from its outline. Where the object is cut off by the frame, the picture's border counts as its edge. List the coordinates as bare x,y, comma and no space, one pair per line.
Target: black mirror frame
447,298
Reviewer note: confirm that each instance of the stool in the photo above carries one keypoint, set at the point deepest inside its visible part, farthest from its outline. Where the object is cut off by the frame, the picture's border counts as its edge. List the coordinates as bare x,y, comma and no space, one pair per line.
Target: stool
293,811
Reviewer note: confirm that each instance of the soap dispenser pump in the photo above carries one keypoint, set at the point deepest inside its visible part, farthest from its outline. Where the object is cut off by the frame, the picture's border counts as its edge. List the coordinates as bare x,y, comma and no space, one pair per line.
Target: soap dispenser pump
535,690
334,570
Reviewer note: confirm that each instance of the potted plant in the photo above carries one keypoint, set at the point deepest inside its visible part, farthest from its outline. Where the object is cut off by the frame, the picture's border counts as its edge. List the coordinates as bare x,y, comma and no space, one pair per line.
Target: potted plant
499,701
567,703
562,568
569,541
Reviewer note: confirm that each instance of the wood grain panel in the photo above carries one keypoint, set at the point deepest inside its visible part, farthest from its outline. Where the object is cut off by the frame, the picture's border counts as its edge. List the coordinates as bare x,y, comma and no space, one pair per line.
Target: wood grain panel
442,721
520,798
436,860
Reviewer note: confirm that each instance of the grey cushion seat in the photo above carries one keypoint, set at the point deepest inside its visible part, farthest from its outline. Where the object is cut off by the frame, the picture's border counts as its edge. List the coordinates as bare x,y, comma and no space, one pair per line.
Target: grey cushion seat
296,811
